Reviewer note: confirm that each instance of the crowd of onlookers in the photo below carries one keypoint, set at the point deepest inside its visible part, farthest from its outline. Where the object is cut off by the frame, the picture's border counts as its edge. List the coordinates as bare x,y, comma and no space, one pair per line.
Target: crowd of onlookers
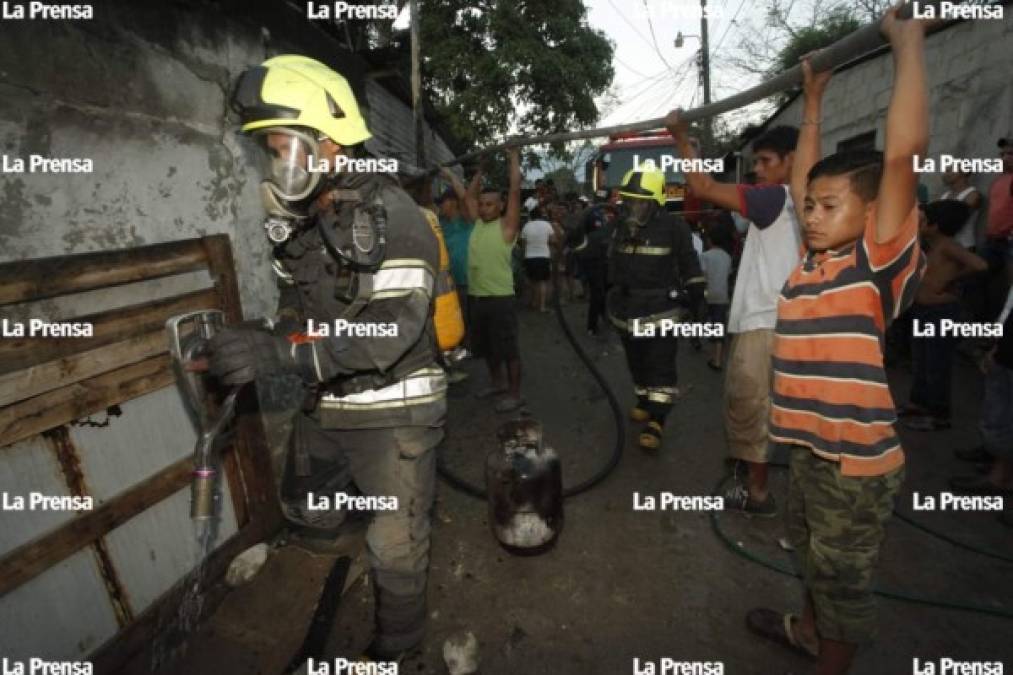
525,248
827,271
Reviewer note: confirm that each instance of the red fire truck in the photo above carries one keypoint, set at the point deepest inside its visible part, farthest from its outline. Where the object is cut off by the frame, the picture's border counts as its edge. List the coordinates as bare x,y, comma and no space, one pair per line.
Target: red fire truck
623,152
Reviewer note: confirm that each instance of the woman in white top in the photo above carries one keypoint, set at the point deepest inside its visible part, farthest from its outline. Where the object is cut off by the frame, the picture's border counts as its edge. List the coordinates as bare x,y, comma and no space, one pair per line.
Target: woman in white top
537,236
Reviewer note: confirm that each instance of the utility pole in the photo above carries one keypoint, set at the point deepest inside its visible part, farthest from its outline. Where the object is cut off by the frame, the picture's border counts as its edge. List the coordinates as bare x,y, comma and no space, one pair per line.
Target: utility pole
420,150
705,68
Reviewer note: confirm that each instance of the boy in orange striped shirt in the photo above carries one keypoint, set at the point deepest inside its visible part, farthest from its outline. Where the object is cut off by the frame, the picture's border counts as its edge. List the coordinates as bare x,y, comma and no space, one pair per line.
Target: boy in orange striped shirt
831,403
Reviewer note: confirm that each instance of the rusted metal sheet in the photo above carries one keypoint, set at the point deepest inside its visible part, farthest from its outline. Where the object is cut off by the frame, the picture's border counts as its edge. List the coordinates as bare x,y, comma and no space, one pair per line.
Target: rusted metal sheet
392,123
70,464
62,614
150,433
25,467
155,548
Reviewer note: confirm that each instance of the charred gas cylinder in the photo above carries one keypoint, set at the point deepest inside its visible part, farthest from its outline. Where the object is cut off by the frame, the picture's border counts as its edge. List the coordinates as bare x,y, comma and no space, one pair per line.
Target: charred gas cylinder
525,485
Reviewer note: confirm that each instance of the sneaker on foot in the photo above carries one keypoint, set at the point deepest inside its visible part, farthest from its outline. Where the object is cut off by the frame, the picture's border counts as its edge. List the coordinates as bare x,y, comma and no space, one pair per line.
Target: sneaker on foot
737,499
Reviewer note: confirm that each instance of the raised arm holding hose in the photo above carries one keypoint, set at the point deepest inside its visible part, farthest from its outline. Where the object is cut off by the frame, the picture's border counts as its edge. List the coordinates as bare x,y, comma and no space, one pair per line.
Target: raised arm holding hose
493,313
832,407
769,255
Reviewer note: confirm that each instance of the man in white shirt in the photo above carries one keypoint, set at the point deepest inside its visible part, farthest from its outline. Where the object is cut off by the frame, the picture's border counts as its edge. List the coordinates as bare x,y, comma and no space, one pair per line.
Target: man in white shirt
771,252
537,236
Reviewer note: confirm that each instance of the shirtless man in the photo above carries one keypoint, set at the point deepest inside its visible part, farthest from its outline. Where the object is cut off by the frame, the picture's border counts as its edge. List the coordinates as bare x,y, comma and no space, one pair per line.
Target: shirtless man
936,300
958,186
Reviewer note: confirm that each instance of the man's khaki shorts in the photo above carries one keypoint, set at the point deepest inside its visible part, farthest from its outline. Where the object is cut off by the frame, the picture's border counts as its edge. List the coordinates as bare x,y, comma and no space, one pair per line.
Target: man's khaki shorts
748,382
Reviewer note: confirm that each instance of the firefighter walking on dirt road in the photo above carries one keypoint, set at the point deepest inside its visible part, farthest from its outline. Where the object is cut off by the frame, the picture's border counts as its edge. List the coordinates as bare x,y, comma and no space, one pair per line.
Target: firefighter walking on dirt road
656,276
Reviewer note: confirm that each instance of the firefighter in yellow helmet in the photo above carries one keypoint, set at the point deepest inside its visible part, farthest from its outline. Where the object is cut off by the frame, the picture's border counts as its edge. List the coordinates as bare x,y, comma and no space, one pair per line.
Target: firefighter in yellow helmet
352,253
656,278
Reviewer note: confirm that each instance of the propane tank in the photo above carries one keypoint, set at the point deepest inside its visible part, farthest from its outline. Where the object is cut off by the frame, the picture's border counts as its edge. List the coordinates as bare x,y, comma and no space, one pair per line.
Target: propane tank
524,481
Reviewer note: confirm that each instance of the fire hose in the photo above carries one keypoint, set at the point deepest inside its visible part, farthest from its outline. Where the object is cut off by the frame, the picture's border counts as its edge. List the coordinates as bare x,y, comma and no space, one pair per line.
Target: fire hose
610,464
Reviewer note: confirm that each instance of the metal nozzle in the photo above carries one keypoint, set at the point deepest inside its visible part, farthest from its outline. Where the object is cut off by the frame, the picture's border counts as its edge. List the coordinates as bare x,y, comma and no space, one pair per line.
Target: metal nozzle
202,503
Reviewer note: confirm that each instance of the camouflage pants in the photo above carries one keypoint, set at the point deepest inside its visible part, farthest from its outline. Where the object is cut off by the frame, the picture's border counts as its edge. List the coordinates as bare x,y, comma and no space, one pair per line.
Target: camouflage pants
836,524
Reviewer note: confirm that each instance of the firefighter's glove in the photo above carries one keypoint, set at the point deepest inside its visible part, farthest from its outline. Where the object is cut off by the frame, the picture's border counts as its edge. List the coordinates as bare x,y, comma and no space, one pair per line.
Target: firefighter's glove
241,355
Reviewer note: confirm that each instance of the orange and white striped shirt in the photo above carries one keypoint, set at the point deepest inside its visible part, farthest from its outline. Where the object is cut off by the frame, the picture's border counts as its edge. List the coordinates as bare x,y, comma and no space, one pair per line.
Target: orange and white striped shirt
830,389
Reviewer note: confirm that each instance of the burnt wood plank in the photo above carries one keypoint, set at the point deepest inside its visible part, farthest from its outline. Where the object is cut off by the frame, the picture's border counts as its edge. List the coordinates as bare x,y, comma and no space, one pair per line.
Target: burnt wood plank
39,379
35,415
109,326
40,278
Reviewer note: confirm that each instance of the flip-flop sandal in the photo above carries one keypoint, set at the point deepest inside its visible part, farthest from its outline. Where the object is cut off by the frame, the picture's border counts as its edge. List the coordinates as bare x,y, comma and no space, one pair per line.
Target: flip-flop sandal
776,627
489,392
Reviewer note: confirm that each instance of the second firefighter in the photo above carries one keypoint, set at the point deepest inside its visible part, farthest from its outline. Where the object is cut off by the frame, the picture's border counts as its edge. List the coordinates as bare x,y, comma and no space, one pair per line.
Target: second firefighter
656,279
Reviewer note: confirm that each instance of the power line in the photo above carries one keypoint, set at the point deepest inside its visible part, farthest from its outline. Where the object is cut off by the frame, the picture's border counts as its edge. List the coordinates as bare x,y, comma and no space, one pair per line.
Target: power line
728,27
685,69
629,68
634,28
679,78
654,39
636,82
650,85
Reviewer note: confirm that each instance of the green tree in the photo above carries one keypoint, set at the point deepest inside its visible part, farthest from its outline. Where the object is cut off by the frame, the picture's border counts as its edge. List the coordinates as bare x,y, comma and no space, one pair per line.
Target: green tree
834,25
792,28
528,67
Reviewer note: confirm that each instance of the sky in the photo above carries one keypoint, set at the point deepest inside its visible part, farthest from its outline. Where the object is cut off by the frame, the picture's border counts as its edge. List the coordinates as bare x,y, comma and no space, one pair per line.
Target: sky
652,75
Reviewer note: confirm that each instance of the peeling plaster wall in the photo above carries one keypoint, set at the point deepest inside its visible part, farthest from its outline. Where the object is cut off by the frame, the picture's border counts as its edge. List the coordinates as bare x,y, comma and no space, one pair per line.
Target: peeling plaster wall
144,95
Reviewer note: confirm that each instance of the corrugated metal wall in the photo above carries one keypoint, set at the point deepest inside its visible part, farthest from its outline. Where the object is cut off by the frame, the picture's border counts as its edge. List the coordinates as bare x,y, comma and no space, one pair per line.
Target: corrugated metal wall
393,126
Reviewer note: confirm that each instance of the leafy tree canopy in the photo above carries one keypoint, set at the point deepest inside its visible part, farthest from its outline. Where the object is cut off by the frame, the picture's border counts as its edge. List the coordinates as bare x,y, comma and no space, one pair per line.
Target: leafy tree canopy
527,66
835,25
